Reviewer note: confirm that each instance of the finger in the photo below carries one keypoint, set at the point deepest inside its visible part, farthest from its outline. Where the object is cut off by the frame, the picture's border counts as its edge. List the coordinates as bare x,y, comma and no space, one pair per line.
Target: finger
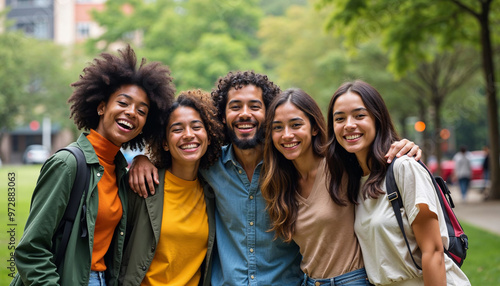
396,149
143,180
419,155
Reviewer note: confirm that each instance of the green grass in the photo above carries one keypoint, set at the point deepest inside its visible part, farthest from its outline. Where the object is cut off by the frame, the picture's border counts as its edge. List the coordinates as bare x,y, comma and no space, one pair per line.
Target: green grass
482,264
25,180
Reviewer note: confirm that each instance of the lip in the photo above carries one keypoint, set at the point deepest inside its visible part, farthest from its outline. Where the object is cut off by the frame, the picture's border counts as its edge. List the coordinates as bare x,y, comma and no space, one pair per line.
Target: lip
189,149
291,145
120,121
247,126
353,137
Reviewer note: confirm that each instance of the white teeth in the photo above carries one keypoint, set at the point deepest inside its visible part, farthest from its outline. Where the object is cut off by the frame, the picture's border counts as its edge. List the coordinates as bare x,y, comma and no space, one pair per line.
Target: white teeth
123,122
189,146
245,126
289,145
351,137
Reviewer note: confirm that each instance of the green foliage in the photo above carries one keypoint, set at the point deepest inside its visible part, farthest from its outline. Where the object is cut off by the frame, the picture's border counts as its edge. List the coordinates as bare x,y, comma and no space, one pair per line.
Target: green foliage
403,26
33,80
301,54
200,40
278,7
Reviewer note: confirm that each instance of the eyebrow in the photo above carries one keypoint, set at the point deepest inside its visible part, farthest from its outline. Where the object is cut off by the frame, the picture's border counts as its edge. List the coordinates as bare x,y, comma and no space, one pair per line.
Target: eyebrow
130,97
240,101
355,110
293,119
180,123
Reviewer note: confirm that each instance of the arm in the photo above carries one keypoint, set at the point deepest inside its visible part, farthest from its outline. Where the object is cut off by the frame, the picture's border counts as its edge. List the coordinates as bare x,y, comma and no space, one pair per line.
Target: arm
426,229
34,257
403,147
143,172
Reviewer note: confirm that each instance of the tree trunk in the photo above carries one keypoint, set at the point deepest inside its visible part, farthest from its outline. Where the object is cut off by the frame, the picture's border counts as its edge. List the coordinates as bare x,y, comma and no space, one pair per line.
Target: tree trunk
489,73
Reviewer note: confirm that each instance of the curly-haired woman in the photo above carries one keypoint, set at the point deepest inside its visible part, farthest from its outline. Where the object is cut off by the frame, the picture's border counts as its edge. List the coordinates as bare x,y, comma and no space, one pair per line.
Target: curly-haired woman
121,106
171,233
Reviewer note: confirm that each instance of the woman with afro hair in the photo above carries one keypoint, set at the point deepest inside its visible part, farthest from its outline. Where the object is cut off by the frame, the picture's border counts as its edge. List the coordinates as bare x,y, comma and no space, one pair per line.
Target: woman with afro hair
171,234
118,105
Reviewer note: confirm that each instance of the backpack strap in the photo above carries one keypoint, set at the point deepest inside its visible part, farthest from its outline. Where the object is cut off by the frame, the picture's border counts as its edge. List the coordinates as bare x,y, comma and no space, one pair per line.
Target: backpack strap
79,189
394,197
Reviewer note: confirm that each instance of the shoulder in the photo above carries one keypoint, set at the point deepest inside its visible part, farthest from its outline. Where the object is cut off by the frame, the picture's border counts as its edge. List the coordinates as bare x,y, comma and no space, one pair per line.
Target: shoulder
407,169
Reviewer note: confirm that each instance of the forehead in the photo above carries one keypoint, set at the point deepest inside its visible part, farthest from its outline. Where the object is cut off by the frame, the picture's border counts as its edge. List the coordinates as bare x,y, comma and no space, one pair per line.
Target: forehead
245,93
349,100
184,114
288,111
132,91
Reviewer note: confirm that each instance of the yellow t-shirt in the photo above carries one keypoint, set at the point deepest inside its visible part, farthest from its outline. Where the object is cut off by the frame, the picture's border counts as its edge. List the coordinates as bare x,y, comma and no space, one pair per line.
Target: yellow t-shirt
182,246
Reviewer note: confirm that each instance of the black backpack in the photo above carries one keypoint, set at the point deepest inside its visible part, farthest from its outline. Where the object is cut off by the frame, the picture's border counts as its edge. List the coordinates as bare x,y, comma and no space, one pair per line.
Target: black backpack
457,249
79,189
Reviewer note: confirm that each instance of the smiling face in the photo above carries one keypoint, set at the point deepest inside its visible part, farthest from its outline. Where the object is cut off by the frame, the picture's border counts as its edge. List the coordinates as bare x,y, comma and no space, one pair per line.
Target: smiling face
245,113
124,115
292,132
354,125
187,139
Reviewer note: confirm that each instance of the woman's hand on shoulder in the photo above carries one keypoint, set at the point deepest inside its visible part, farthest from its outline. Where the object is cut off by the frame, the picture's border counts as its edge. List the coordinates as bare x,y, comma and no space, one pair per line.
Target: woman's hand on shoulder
402,147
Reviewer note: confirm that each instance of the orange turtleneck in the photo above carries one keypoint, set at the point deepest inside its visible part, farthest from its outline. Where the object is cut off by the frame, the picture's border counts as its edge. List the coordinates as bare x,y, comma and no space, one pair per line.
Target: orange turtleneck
110,208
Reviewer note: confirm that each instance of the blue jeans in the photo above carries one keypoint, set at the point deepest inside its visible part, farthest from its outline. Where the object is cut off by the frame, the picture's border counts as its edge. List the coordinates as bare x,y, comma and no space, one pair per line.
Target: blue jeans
97,279
353,278
464,186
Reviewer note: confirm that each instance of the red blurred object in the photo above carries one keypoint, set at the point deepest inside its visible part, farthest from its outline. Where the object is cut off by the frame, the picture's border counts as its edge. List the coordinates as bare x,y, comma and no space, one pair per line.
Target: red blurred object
447,166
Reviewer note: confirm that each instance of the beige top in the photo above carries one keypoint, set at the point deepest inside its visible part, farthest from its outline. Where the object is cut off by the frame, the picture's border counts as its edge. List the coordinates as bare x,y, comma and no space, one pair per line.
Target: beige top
324,232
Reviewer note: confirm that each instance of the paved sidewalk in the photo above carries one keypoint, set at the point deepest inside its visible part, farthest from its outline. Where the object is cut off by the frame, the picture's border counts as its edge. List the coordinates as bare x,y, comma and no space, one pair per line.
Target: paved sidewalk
476,211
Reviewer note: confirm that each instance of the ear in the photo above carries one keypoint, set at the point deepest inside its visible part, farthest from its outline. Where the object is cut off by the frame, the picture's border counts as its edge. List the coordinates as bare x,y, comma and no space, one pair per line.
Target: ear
165,146
314,131
101,108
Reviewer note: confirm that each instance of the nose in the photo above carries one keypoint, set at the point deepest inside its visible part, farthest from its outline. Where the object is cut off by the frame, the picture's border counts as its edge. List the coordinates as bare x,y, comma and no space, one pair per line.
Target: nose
245,112
350,123
287,133
188,133
131,111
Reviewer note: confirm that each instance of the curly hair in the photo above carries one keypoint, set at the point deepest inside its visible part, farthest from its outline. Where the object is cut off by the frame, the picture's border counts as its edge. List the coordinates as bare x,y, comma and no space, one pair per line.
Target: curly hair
238,80
108,73
203,104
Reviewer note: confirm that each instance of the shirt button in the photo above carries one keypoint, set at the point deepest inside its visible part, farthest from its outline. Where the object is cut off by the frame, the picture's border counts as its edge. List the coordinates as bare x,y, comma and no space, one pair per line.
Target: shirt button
121,233
253,277
98,174
317,283
251,197
144,268
251,250
239,171
251,223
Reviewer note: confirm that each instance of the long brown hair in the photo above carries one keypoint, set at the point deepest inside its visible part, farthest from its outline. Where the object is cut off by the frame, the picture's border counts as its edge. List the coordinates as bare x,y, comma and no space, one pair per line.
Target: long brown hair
341,162
279,179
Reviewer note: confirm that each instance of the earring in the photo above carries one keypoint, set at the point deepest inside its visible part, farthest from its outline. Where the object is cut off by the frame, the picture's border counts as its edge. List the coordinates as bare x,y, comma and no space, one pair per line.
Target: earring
99,112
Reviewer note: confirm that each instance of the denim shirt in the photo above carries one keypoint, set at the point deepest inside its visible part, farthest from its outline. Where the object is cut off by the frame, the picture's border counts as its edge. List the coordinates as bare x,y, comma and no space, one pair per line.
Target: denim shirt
247,253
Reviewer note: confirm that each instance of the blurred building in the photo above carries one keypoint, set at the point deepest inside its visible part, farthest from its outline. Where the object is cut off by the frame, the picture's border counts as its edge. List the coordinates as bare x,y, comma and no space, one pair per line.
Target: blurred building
64,21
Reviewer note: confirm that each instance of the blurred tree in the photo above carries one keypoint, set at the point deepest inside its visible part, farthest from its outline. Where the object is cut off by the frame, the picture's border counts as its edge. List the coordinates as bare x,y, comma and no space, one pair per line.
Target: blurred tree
279,7
200,40
299,53
406,27
433,82
33,81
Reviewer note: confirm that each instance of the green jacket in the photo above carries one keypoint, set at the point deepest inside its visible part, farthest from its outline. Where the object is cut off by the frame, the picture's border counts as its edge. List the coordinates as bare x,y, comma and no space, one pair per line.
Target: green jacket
33,255
144,228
